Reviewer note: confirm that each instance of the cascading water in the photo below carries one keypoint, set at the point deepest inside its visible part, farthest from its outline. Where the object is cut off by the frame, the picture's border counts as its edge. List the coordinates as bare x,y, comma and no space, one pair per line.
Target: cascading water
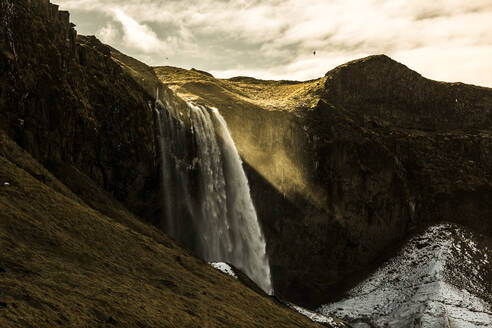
207,200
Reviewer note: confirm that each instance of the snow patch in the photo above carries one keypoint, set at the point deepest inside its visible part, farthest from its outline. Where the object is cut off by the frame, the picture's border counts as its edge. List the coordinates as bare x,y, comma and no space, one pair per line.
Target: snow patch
316,317
224,267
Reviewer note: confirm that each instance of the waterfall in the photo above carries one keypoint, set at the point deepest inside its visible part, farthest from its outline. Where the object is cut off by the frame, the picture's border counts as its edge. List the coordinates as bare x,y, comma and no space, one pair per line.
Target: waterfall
207,201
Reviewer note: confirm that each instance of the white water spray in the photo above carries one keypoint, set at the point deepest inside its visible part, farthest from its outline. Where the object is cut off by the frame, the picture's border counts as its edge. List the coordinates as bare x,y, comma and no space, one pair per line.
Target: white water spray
220,223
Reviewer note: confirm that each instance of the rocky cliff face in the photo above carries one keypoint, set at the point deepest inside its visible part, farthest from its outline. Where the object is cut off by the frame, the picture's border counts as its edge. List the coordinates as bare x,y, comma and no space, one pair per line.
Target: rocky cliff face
440,132
386,92
69,103
397,151
344,167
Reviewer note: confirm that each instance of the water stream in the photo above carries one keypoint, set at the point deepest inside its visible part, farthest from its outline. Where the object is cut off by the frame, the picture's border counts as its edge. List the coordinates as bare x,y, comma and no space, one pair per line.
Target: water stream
207,201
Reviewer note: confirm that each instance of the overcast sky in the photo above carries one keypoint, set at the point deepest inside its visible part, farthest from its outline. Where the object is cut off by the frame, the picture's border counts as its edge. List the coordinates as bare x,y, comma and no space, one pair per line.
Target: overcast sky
448,40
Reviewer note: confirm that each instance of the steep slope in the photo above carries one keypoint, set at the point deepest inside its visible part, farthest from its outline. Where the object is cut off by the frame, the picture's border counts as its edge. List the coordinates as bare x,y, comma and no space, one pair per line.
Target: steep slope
441,278
65,264
70,104
343,168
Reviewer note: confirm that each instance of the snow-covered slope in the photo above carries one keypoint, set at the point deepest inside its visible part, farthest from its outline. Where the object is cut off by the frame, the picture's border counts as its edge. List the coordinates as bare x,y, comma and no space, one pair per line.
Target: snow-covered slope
318,317
440,278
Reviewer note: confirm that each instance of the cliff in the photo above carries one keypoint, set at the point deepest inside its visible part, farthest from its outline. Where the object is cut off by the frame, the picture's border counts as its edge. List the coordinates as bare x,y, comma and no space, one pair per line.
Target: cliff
345,167
68,103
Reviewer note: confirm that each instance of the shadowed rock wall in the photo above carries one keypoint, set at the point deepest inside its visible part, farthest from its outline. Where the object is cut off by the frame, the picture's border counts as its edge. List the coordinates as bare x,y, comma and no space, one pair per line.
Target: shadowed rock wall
66,101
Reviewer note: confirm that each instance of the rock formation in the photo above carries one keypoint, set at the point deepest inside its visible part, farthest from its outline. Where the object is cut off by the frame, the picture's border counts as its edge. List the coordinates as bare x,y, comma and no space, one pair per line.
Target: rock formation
68,103
343,168
440,278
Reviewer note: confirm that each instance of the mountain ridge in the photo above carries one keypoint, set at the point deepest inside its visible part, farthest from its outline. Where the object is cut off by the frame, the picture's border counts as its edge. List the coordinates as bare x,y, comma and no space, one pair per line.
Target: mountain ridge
369,132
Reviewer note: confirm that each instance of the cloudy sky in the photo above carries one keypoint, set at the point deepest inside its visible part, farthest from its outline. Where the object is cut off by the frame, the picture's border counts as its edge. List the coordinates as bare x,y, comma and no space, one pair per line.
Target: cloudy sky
448,40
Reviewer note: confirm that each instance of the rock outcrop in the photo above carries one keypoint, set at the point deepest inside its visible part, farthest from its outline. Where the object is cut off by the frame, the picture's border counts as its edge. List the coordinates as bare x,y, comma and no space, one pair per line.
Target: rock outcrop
386,92
70,104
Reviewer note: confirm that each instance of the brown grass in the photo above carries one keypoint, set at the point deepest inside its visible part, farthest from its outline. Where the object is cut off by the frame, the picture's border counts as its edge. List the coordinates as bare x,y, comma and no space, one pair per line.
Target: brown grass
64,264
269,95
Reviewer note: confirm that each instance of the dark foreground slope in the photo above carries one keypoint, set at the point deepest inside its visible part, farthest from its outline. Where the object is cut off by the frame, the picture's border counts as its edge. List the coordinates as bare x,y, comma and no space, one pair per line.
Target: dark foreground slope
343,168
65,264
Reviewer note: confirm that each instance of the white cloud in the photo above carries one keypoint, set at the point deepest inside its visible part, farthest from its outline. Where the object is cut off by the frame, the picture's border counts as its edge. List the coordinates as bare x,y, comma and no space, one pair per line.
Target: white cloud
275,38
138,36
468,64
108,34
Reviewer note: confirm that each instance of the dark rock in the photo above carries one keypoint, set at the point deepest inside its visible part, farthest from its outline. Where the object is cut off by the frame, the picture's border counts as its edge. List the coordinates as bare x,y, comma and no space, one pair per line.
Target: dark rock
76,104
383,91
112,321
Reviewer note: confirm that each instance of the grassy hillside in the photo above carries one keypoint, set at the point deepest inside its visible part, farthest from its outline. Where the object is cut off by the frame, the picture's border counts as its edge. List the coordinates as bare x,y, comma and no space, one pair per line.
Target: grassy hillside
65,264
241,91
